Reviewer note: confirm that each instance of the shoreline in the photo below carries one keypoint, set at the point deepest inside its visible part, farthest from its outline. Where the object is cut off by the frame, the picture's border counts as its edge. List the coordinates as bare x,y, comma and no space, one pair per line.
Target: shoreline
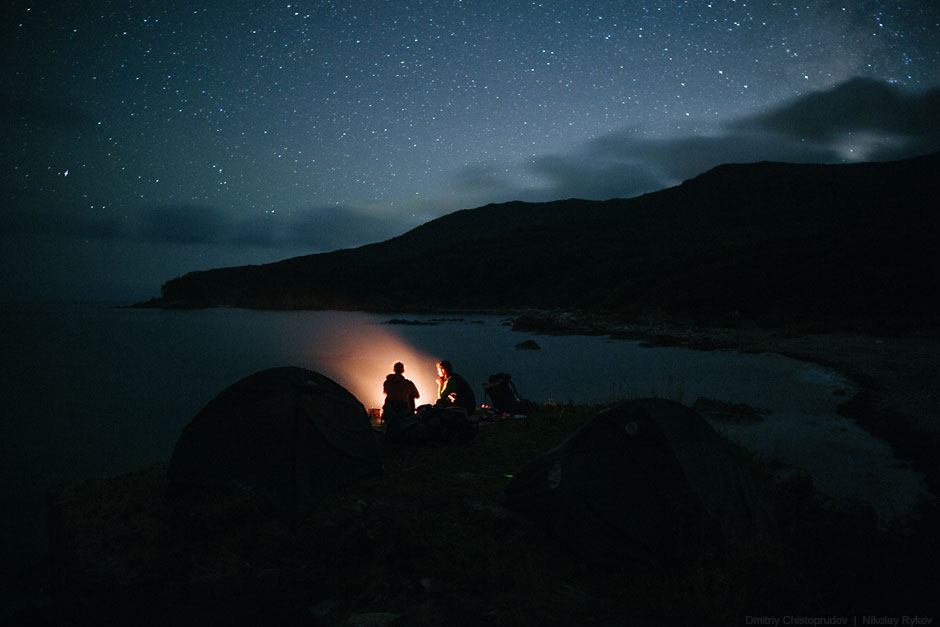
897,377
898,387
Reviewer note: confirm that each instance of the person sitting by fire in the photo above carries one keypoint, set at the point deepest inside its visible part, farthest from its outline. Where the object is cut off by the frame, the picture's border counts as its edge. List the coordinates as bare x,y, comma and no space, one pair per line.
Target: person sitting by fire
453,390
400,394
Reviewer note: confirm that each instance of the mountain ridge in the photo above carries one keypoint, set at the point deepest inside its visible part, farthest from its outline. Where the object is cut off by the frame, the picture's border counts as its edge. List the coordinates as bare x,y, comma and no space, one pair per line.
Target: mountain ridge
844,245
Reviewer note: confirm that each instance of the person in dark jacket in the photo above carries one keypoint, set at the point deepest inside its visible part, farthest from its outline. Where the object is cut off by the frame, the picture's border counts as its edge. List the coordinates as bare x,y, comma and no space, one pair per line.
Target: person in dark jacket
453,389
400,394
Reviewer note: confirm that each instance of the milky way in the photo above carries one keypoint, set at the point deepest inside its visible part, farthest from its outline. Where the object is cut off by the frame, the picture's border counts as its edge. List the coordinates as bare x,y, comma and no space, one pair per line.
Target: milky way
307,126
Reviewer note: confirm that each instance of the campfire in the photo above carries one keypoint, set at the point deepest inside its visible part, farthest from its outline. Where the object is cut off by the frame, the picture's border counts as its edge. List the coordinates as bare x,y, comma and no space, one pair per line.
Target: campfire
366,357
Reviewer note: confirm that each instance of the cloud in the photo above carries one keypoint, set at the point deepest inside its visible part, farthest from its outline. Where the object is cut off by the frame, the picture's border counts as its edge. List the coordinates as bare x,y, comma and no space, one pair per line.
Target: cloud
474,185
859,106
861,119
320,229
29,214
623,165
315,229
675,160
181,224
482,176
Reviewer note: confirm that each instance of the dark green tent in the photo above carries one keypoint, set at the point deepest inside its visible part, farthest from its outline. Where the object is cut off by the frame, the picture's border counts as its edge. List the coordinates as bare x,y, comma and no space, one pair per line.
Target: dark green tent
647,479
288,434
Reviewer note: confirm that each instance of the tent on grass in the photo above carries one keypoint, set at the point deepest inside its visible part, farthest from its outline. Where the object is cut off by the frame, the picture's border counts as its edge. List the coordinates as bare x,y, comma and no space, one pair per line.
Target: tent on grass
288,434
647,479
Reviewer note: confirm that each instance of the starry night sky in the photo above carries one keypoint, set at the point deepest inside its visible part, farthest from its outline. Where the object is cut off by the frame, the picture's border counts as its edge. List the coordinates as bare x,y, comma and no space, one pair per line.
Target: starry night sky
144,140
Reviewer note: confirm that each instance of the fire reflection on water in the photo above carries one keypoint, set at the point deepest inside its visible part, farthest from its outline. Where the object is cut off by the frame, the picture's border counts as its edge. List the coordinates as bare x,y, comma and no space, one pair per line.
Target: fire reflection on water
364,356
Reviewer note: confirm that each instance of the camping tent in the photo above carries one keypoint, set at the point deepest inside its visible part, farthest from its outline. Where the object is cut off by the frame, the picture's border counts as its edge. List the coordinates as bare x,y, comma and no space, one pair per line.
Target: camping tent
647,479
288,434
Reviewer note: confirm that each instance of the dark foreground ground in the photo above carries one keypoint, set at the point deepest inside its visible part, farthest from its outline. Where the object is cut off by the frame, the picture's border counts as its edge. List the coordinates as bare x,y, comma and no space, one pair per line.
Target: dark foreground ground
428,541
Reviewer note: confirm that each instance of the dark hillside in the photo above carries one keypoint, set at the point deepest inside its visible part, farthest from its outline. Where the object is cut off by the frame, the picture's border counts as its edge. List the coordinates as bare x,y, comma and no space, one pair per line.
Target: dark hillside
847,246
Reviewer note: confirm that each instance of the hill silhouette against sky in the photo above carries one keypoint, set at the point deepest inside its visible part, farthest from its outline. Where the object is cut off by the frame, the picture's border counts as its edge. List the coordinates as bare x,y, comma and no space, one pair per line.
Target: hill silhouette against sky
827,246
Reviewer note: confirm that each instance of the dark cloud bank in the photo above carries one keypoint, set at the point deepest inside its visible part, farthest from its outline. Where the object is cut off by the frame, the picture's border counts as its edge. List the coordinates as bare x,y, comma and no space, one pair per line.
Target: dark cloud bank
318,229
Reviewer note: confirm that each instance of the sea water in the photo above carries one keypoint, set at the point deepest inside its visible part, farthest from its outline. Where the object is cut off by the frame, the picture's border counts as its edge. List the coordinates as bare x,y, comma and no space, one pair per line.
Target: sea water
90,389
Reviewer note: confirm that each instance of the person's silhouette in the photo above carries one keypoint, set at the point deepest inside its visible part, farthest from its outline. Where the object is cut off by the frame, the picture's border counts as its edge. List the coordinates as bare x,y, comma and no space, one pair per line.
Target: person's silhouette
400,394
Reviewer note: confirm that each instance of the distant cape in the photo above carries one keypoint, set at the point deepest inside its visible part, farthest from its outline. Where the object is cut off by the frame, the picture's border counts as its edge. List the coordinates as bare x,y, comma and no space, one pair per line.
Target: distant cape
848,246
